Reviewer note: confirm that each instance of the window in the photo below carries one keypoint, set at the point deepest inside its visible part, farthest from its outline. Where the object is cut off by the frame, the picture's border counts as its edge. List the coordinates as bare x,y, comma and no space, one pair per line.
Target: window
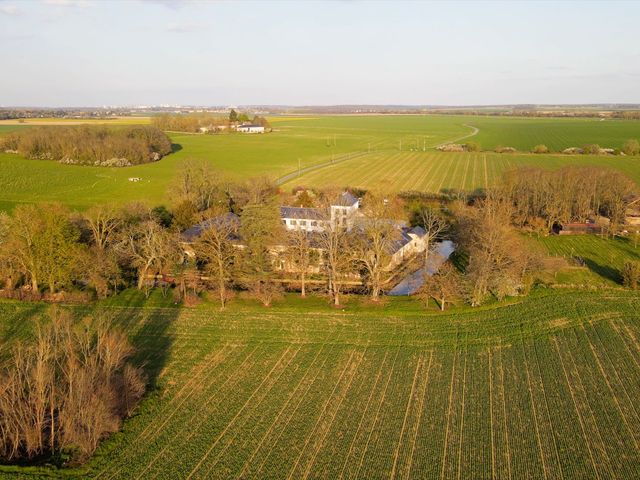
303,223
314,223
293,222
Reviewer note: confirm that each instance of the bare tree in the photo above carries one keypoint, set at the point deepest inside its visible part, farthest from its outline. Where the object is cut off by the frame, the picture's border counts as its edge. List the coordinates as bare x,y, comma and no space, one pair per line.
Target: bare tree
66,389
202,186
43,244
434,225
103,221
379,232
299,255
150,249
215,247
260,230
443,286
498,259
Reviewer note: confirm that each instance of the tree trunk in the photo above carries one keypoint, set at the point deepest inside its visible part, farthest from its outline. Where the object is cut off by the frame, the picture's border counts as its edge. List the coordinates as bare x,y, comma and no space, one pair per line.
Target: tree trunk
142,276
221,290
426,250
375,292
303,292
442,304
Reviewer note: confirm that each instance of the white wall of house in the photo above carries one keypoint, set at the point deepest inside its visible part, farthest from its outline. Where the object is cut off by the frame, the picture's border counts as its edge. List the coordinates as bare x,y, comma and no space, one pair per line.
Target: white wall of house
307,225
415,246
344,216
250,129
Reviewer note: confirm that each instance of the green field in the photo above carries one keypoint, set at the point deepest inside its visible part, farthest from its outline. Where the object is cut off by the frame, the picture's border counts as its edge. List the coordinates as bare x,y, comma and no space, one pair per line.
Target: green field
295,141
308,141
544,388
603,258
556,133
437,172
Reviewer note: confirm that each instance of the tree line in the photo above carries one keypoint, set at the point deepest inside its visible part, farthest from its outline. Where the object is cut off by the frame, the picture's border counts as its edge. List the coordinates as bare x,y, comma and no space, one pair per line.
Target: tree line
540,198
89,145
193,123
240,243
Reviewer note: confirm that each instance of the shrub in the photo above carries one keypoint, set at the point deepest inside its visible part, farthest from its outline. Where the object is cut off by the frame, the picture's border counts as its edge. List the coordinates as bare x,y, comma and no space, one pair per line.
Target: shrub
541,148
631,147
591,149
631,274
472,147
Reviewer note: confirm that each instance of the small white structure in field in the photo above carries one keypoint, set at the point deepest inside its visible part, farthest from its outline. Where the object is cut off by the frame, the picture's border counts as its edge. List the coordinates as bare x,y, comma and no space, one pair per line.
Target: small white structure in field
134,179
250,128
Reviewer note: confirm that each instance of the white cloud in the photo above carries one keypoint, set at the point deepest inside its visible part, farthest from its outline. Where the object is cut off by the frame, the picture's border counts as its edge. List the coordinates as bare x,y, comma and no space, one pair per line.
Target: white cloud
172,4
69,3
185,27
9,9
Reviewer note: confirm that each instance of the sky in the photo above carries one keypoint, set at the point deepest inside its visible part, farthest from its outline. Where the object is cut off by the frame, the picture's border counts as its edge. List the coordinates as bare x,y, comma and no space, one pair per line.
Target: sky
61,53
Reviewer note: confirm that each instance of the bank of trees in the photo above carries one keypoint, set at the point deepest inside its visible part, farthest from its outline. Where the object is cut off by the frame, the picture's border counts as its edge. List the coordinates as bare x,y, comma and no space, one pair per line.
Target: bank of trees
65,389
89,145
539,198
240,243
199,122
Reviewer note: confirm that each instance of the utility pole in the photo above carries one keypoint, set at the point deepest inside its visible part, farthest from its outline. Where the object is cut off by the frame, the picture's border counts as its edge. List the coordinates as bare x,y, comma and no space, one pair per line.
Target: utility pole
400,144
334,139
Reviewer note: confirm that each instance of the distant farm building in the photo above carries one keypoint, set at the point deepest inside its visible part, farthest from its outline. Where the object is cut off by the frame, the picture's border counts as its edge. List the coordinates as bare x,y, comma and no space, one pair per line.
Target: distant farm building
577,228
250,129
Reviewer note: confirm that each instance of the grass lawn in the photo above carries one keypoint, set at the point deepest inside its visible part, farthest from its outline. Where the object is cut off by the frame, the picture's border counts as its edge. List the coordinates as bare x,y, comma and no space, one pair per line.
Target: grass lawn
542,387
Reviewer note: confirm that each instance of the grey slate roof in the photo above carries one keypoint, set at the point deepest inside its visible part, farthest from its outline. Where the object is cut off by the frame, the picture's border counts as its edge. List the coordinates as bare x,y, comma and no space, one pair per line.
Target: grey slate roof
302,213
191,233
419,231
346,200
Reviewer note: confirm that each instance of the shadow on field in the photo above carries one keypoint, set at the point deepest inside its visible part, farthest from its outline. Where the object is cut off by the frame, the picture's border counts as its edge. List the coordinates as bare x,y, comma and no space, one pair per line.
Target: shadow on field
605,271
175,147
148,326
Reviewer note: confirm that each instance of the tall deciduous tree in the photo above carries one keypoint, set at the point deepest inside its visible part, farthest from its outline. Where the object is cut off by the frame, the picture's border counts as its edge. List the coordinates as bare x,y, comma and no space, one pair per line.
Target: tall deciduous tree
498,259
379,232
150,248
444,285
299,253
215,247
42,243
434,224
260,229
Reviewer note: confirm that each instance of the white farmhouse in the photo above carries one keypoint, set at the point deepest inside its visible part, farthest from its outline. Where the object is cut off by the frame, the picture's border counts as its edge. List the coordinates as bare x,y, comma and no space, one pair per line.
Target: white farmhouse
342,213
250,128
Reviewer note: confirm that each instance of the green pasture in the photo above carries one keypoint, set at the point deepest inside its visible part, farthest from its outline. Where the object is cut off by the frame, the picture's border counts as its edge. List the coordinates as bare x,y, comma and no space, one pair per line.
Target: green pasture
544,388
295,142
399,156
556,133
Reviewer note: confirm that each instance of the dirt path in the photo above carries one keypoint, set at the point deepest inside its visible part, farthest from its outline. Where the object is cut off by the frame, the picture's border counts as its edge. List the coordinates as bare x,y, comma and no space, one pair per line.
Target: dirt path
290,176
474,132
